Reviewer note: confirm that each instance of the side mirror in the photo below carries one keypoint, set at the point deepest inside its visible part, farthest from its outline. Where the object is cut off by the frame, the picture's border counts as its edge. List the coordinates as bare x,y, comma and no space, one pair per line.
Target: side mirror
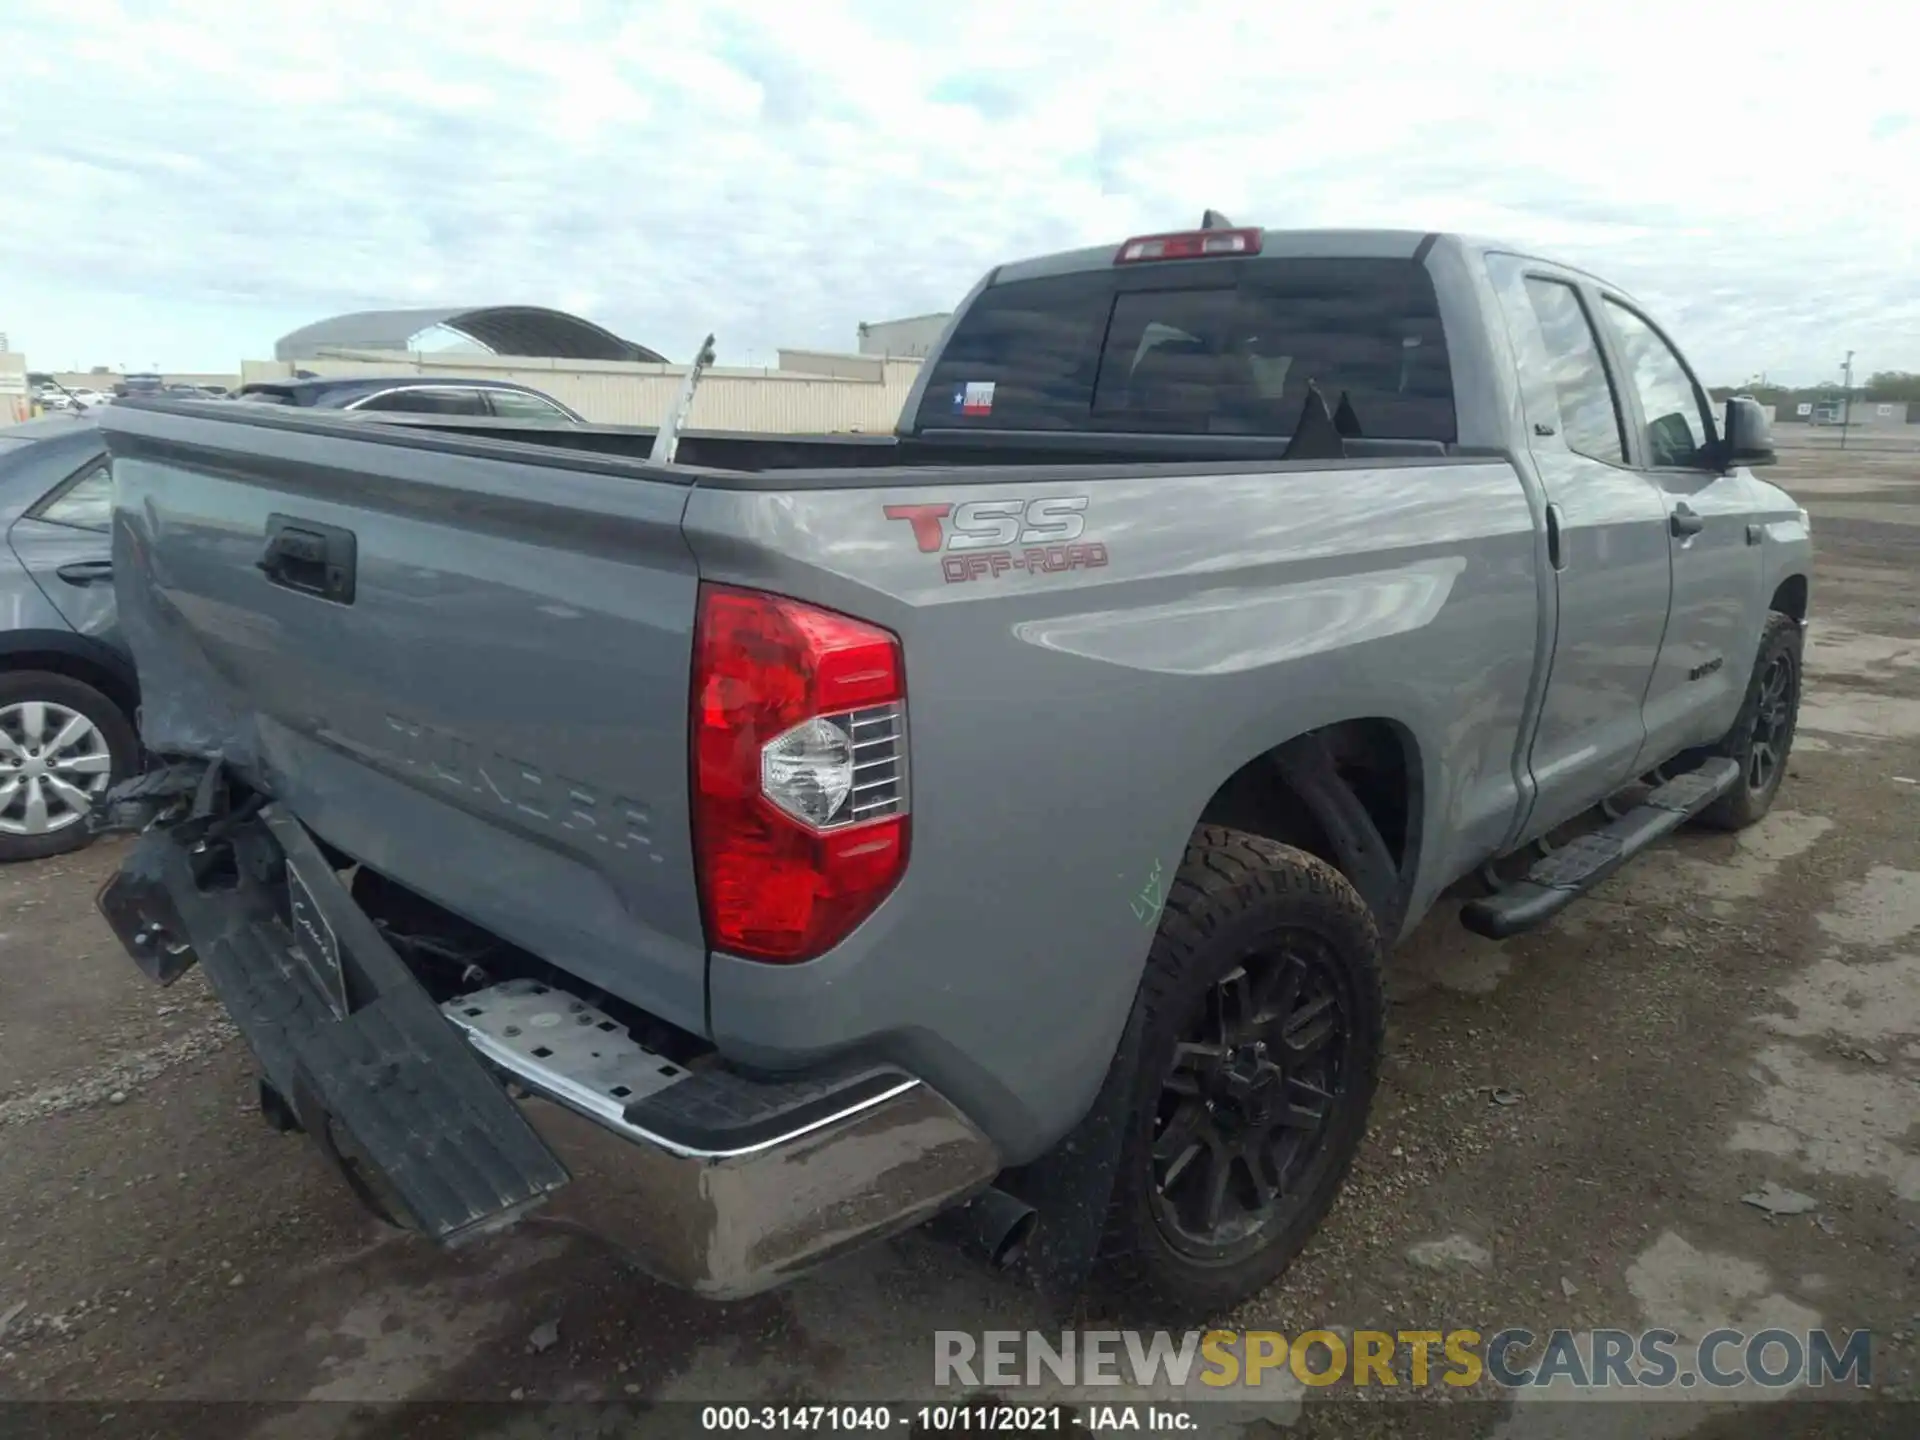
1749,434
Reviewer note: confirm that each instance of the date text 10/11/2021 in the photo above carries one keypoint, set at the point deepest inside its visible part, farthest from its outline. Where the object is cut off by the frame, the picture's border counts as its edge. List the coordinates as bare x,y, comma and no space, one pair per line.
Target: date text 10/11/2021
960,1418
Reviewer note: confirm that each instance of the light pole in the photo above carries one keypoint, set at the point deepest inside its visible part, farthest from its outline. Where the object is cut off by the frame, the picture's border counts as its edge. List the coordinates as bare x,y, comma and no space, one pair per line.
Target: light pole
1846,398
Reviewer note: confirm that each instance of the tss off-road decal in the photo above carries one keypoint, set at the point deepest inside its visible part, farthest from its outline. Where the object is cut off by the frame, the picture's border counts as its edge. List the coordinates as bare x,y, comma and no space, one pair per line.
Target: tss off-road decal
989,538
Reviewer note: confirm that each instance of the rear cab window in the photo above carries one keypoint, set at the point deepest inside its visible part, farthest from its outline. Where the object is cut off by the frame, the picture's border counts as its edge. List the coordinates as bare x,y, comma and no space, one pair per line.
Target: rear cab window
1200,347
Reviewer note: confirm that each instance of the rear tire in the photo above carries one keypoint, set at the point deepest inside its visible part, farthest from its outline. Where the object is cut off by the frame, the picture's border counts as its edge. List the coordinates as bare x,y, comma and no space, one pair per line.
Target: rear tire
64,744
1762,736
1260,1048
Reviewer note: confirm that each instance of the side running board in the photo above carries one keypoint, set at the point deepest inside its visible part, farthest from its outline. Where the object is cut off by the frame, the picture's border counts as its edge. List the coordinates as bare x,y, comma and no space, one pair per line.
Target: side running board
1569,872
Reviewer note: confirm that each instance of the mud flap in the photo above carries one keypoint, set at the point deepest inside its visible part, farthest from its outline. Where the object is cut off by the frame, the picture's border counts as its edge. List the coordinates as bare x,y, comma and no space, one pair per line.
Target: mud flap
1071,1186
393,1095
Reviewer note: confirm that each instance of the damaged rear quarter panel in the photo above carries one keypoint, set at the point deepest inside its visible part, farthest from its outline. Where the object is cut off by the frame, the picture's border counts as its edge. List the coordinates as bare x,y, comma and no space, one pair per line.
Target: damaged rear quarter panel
1068,725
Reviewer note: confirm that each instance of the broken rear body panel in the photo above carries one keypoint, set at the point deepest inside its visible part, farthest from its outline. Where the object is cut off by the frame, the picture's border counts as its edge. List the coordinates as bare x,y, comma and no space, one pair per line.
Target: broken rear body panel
497,721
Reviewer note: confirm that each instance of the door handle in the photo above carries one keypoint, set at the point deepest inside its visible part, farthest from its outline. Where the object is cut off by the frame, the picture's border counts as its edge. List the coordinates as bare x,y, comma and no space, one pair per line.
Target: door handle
85,572
1686,521
1556,552
311,558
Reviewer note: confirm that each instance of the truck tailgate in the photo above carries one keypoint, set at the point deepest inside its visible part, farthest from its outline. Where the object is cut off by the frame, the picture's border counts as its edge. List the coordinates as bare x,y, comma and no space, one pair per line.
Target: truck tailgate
462,662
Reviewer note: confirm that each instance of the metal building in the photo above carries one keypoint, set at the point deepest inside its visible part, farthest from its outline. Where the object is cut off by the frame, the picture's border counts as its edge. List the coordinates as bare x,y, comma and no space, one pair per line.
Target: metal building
909,339
529,330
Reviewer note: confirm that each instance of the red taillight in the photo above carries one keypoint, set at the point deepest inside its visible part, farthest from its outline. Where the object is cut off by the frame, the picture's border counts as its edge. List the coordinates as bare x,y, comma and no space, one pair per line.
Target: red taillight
1189,245
799,772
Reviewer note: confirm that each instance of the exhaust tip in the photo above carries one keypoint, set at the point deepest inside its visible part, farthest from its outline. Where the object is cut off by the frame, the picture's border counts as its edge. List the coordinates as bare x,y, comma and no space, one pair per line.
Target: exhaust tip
1012,1246
993,1227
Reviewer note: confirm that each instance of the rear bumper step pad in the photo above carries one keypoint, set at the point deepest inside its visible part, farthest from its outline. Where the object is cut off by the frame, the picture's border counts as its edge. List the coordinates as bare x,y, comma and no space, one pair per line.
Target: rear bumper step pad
390,1080
1559,879
568,1050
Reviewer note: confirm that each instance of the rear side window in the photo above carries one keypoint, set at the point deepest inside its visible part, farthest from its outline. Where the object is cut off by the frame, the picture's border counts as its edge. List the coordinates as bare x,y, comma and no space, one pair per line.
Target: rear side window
517,405
1076,352
1589,413
426,401
84,502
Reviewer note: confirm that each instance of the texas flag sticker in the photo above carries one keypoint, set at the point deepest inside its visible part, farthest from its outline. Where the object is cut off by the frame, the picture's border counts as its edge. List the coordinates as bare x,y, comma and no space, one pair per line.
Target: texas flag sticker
974,398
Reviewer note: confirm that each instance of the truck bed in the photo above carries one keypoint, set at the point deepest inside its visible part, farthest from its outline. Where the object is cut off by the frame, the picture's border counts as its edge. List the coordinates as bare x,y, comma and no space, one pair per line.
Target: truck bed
825,458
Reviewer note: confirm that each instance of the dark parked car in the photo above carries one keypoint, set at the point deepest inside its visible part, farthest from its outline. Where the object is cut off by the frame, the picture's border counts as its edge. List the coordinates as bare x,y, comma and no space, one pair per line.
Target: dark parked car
67,690
417,395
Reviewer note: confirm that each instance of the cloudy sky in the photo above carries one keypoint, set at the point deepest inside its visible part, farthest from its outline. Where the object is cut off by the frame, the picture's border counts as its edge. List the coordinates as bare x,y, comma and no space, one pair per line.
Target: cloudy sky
186,181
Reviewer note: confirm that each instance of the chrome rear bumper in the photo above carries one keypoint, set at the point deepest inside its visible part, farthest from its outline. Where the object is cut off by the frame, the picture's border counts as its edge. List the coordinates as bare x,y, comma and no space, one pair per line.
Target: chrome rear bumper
712,1181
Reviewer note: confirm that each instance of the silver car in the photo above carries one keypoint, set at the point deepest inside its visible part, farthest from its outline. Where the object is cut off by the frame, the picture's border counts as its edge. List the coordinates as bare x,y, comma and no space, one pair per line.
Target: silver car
68,692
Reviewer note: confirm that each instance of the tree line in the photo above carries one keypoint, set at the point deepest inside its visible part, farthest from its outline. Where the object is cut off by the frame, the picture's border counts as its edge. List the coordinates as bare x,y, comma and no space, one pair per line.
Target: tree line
1882,385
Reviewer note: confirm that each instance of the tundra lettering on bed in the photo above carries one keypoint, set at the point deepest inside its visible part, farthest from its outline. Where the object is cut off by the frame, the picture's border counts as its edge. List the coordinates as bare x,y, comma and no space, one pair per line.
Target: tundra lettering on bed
560,804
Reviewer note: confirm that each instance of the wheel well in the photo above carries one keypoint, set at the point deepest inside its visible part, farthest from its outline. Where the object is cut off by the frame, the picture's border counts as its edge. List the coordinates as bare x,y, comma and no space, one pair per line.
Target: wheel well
1791,598
77,667
1377,759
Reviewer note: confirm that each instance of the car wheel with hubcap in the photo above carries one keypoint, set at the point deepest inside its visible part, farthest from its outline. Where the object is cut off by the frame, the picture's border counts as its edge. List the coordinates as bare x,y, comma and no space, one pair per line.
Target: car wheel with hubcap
62,745
1260,1051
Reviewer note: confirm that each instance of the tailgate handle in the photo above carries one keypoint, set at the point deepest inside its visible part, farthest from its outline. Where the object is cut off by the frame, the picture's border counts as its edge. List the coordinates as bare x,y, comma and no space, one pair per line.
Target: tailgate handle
309,557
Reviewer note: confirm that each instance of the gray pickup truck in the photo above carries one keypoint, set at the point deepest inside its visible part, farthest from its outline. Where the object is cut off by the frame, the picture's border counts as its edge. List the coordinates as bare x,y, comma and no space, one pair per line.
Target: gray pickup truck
1000,822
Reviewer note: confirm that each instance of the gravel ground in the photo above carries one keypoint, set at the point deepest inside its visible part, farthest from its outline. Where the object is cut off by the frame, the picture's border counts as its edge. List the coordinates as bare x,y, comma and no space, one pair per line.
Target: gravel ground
1567,1126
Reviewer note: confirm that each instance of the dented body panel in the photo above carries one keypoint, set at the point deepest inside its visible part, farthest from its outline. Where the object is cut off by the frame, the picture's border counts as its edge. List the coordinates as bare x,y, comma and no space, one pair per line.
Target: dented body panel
417,729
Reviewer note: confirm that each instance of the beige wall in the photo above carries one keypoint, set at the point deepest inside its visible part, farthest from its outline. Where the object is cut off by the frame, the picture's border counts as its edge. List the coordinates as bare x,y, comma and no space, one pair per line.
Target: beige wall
15,404
832,362
815,400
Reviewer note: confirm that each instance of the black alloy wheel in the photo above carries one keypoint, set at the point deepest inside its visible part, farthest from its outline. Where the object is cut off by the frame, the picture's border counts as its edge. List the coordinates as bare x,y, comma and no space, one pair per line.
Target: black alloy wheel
1773,719
1260,1021
1244,1111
